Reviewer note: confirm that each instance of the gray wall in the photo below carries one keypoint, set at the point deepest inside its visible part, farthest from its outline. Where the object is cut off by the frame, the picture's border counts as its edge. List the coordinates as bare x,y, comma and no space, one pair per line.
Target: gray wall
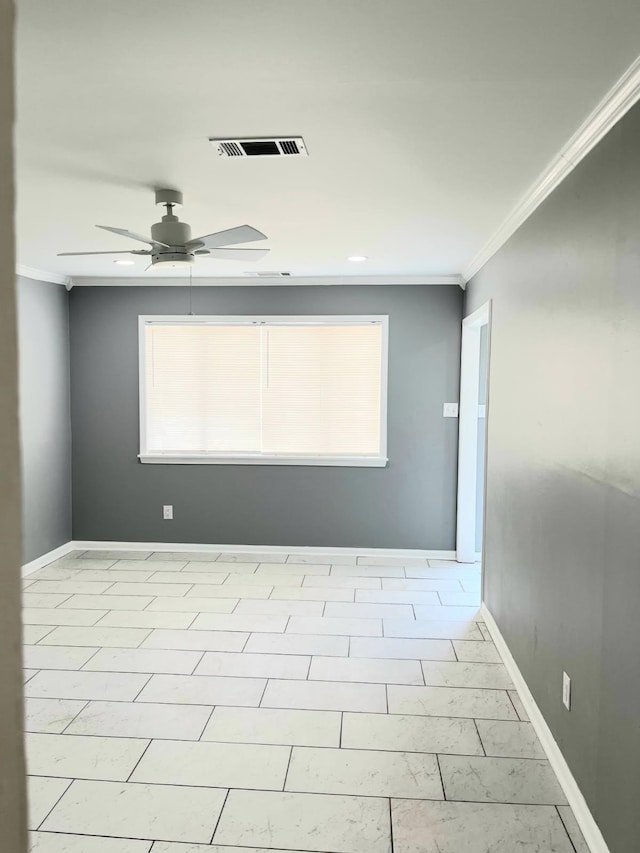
45,424
562,549
409,504
13,804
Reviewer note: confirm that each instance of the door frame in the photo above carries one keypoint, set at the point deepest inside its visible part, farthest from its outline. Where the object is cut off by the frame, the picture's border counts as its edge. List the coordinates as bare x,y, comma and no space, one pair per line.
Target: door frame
468,431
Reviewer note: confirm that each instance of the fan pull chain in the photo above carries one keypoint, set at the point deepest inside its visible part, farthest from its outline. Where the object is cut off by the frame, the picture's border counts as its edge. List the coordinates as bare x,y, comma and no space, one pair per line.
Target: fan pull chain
190,291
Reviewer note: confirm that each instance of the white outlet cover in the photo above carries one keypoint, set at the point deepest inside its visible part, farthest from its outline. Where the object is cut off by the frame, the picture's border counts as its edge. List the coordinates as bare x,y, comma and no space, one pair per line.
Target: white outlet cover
566,691
167,512
450,410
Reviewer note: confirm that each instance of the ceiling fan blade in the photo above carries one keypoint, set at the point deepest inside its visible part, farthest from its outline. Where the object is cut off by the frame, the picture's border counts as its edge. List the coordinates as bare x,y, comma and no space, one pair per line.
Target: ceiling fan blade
234,254
116,252
242,234
124,233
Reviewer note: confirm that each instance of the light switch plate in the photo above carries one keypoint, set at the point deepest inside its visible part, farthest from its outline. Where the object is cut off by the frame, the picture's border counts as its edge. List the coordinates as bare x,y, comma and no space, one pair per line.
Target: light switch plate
450,410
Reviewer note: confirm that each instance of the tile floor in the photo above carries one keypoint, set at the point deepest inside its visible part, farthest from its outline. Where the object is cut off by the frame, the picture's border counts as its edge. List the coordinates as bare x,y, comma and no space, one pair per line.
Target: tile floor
185,703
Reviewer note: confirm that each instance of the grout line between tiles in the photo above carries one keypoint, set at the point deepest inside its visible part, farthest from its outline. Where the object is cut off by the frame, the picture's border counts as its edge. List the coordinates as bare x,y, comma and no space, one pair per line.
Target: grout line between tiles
513,705
72,721
60,602
422,717
204,728
144,639
143,686
284,783
179,629
88,660
544,805
215,828
484,751
199,661
444,792
355,749
264,690
71,781
564,826
144,752
391,826
51,628
340,681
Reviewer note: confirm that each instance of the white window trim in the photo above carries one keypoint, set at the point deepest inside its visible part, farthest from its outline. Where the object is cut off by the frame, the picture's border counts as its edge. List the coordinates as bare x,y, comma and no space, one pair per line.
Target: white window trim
354,461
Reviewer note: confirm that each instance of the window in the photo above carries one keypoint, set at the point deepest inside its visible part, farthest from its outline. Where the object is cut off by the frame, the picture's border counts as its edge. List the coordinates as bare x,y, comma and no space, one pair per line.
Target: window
263,390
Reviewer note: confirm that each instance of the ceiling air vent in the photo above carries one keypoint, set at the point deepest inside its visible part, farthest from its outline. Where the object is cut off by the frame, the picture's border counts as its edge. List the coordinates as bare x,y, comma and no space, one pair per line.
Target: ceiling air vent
267,273
280,146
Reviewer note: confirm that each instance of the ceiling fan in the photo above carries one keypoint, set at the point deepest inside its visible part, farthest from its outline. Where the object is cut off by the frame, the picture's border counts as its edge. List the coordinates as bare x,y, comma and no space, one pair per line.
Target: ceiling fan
172,245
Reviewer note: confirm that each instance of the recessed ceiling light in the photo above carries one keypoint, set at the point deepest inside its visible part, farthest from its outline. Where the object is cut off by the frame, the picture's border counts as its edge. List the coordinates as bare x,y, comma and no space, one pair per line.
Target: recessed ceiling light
124,263
357,258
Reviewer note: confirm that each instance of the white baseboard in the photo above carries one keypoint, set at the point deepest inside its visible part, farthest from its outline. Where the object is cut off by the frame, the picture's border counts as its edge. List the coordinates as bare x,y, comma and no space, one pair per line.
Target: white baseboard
80,545
45,559
258,549
585,819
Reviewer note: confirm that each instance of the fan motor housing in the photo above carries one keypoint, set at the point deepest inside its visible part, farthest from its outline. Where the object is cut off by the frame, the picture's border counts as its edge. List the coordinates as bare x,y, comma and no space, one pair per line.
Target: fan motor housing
172,257
171,231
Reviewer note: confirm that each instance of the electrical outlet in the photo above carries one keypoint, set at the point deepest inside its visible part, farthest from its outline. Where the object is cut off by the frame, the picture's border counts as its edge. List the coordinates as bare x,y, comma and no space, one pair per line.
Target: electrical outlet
450,410
566,691
167,512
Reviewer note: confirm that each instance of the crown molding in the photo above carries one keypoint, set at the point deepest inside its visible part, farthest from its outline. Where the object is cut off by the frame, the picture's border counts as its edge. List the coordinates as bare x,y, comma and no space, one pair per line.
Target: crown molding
618,101
44,275
250,281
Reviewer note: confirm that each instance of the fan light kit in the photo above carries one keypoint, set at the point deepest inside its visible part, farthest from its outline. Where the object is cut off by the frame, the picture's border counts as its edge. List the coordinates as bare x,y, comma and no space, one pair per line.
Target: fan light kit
172,245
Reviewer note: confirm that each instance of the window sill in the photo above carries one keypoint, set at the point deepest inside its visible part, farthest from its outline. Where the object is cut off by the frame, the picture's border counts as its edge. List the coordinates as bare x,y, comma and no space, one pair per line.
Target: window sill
331,461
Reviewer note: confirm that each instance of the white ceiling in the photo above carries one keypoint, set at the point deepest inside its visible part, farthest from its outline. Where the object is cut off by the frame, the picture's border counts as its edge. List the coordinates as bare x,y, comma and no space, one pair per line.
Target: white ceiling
425,121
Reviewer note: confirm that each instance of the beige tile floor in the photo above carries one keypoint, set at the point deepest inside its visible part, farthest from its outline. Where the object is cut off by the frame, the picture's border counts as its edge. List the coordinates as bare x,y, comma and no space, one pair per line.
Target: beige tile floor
184,703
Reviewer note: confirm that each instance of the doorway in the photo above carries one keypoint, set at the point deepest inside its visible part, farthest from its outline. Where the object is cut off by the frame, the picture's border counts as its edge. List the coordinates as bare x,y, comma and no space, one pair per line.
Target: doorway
474,372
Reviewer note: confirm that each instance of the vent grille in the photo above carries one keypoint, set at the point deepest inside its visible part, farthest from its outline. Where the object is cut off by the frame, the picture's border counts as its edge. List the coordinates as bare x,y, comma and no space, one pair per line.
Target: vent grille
279,146
289,146
267,273
231,149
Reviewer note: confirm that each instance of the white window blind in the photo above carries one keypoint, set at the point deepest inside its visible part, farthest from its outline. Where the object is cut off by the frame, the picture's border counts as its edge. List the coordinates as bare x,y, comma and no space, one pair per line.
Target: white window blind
257,390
